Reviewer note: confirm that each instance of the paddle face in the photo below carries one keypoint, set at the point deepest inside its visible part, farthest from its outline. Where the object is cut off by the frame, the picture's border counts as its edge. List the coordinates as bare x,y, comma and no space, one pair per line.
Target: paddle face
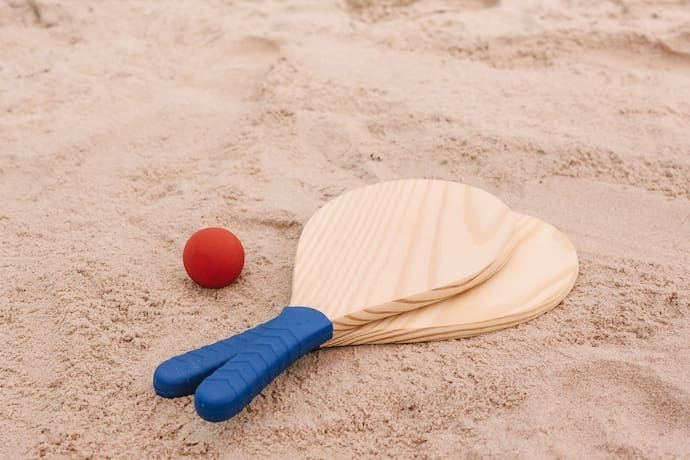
539,274
396,246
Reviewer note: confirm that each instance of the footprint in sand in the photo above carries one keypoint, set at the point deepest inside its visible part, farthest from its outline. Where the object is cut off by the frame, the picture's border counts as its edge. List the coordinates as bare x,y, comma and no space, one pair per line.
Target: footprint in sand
234,67
645,403
571,398
375,11
671,52
677,44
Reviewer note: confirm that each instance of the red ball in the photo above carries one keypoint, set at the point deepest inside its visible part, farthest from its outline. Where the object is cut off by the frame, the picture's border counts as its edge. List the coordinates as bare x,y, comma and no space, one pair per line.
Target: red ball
213,257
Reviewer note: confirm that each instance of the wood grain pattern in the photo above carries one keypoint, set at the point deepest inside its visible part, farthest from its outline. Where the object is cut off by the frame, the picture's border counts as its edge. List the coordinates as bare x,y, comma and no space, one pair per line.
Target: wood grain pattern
395,246
539,274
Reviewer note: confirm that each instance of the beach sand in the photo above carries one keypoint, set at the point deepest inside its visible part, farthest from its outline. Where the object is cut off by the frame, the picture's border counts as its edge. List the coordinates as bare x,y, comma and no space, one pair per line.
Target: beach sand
125,126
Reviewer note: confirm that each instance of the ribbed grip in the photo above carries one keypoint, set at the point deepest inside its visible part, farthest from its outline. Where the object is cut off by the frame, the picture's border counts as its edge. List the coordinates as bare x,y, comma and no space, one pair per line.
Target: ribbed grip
180,375
294,333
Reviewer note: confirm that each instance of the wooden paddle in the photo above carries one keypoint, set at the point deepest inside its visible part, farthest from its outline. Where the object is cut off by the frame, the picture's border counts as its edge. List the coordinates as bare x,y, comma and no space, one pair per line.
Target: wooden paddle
539,274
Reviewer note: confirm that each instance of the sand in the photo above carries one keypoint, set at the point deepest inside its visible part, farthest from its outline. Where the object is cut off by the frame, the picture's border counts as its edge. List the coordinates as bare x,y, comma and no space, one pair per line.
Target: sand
126,125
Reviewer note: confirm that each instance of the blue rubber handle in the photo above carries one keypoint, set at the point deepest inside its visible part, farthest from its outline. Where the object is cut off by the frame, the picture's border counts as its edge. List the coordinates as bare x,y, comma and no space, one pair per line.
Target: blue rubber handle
180,375
291,335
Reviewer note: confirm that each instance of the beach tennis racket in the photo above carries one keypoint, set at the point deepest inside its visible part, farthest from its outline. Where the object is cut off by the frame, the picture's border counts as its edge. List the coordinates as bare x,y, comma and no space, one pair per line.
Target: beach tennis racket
541,271
371,253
